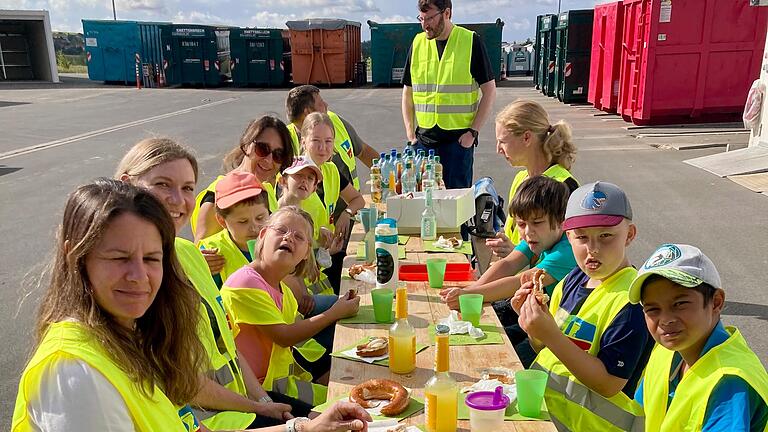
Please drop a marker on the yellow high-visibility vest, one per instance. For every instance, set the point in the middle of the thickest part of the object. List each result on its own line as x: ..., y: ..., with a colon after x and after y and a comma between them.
x: 68, y: 340
x: 199, y: 201
x: 224, y: 367
x: 572, y: 405
x: 255, y: 307
x: 234, y: 258
x: 343, y: 146
x: 444, y: 92
x: 555, y: 172
x: 687, y: 409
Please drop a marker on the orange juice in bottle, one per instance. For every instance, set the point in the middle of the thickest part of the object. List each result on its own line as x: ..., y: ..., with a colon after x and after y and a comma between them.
x: 441, y: 391
x: 402, y: 337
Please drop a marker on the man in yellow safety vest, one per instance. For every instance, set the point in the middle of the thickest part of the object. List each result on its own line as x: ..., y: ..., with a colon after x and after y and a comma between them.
x: 445, y: 73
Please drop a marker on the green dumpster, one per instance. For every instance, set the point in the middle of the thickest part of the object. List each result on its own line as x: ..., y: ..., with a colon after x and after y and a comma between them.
x: 192, y: 54
x: 390, y: 44
x: 536, y: 47
x: 257, y: 57
x: 546, y: 66
x: 573, y: 51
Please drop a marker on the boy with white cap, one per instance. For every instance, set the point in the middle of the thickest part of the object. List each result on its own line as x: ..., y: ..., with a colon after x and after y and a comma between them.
x: 701, y: 376
x: 592, y: 342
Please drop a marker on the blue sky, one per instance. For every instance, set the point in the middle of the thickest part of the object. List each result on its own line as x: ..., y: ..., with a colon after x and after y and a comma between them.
x: 519, y: 16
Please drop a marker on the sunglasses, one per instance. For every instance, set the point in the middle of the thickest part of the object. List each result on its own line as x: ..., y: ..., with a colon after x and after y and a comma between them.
x: 263, y: 150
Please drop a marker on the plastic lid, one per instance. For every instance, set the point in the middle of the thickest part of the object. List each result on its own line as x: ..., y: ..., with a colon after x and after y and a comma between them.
x: 488, y: 400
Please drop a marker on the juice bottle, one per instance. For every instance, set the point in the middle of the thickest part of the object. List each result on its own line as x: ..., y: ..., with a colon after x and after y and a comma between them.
x: 402, y: 337
x: 441, y: 391
x: 376, y: 182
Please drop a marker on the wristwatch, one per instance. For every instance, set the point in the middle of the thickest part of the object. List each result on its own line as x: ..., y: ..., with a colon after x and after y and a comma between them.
x: 350, y: 212
x: 474, y: 133
x: 296, y: 424
x: 265, y: 399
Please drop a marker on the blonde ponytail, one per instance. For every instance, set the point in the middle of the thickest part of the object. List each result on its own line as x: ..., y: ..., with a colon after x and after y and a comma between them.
x: 558, y: 145
x: 556, y: 140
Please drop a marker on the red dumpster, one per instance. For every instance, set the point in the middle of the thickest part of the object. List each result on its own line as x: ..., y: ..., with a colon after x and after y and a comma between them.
x: 324, y: 51
x: 605, y: 67
x: 689, y: 60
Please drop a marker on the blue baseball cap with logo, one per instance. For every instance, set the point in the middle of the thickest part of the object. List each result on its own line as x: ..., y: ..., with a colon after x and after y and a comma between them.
x: 682, y: 264
x: 597, y: 204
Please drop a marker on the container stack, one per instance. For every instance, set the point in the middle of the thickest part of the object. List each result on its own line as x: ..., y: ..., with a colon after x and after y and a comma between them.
x: 324, y: 51
x: 605, y: 61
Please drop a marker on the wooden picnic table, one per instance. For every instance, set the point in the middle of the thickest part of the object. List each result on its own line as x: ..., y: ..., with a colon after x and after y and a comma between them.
x: 424, y: 308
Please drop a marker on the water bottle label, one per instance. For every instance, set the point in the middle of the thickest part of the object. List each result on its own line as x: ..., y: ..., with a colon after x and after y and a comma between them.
x: 385, y: 266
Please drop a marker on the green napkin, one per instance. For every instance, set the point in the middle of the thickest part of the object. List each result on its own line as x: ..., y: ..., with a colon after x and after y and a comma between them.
x: 361, y: 252
x: 492, y: 336
x: 510, y: 415
x: 415, y: 406
x: 382, y: 362
x: 466, y: 248
x: 364, y: 316
x: 403, y: 239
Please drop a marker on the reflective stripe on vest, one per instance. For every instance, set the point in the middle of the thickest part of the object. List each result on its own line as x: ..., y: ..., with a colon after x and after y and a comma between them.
x: 343, y: 146
x: 555, y: 172
x: 321, y: 286
x: 444, y: 92
x: 256, y: 307
x: 574, y: 405
x: 294, y: 132
x: 215, y: 335
x: 199, y: 201
x: 689, y: 405
x: 271, y: 196
x: 234, y: 258
x: 67, y: 340
x: 321, y: 210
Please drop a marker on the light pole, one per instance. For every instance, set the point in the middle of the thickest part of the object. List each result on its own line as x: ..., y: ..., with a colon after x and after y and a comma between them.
x: 114, y: 13
x: 558, y: 5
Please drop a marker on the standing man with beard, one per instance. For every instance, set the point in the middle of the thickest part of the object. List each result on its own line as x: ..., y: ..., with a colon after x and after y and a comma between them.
x: 445, y: 67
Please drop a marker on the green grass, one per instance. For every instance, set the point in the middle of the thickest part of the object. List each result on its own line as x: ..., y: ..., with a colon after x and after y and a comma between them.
x: 73, y: 69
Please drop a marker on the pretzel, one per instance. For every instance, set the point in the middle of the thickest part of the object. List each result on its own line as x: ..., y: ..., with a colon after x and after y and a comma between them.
x: 375, y: 347
x: 399, y: 428
x: 538, y: 286
x: 359, y: 268
x: 381, y: 389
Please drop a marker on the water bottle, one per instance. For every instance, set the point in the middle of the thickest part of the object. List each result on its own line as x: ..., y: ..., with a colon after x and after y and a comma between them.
x: 385, y: 169
x: 431, y: 157
x: 409, y: 178
x: 376, y: 188
x: 428, y: 218
x: 428, y: 181
x: 439, y: 182
x: 387, y: 265
x: 419, y: 166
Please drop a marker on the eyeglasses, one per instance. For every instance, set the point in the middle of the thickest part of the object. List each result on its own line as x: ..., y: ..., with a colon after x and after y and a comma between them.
x: 263, y: 150
x: 429, y: 18
x: 285, y: 232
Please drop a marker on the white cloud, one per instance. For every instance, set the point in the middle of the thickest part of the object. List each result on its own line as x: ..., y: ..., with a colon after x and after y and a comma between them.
x: 198, y: 17
x: 392, y: 19
x: 271, y: 19
x: 519, y: 24
x: 156, y: 6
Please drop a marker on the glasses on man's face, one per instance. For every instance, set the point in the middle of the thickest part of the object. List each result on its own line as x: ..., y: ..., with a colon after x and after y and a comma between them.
x: 263, y: 150
x: 285, y: 232
x: 429, y: 18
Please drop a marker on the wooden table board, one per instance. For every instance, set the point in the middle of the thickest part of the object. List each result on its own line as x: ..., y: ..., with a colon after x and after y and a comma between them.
x: 424, y: 308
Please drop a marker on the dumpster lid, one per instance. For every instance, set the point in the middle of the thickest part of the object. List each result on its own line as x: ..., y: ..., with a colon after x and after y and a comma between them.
x: 320, y: 23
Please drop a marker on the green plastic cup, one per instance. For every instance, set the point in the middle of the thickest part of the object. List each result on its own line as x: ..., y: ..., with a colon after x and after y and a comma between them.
x: 531, y: 384
x: 471, y: 307
x: 382, y: 304
x: 436, y: 271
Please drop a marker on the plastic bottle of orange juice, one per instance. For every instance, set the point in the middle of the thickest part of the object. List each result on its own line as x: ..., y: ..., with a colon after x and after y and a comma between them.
x: 402, y: 337
x: 441, y: 392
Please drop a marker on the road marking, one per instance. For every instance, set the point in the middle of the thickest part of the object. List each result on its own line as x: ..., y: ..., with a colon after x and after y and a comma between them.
x: 91, y: 134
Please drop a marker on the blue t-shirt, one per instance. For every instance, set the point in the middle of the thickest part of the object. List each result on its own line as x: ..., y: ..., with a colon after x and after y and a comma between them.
x: 733, y: 405
x: 625, y: 345
x: 217, y: 276
x: 557, y: 261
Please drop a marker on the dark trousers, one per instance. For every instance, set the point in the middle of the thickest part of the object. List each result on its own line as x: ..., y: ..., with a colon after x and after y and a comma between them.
x: 517, y: 336
x: 457, y: 162
x: 298, y: 409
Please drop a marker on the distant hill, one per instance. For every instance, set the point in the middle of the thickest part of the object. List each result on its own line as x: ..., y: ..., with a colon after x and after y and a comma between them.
x: 68, y: 43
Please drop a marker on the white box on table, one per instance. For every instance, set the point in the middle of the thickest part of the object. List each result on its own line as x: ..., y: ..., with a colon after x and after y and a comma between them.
x: 452, y: 208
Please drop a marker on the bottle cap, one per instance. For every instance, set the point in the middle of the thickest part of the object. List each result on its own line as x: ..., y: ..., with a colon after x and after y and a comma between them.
x: 442, y: 329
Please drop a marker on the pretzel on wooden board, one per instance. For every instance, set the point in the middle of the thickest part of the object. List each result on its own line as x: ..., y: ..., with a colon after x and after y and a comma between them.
x: 381, y: 389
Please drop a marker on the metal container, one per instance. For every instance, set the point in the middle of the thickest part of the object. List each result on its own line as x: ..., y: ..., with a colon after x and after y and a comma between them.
x: 572, y: 55
x: 257, y: 57
x: 689, y: 60
x: 519, y: 61
x: 546, y: 43
x: 192, y: 52
x: 605, y: 62
x: 114, y: 49
x: 324, y: 51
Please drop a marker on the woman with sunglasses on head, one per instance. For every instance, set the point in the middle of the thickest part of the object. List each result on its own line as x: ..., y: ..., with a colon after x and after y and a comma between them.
x: 264, y: 150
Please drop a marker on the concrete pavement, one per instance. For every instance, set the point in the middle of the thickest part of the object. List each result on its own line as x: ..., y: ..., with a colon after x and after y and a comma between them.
x: 71, y: 134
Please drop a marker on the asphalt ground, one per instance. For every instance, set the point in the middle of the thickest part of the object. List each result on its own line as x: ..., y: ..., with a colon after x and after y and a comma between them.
x: 55, y: 137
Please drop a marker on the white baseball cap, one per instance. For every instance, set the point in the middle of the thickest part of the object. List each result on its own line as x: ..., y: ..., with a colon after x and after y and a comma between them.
x: 682, y: 264
x: 304, y: 162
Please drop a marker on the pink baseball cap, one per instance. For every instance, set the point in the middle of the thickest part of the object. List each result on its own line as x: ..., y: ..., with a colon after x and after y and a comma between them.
x: 236, y: 187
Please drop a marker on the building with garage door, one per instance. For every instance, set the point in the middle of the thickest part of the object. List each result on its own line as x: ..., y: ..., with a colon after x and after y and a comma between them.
x: 26, y: 46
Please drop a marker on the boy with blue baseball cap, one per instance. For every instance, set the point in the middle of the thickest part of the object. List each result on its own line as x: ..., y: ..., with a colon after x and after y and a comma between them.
x: 592, y: 342
x: 701, y: 376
